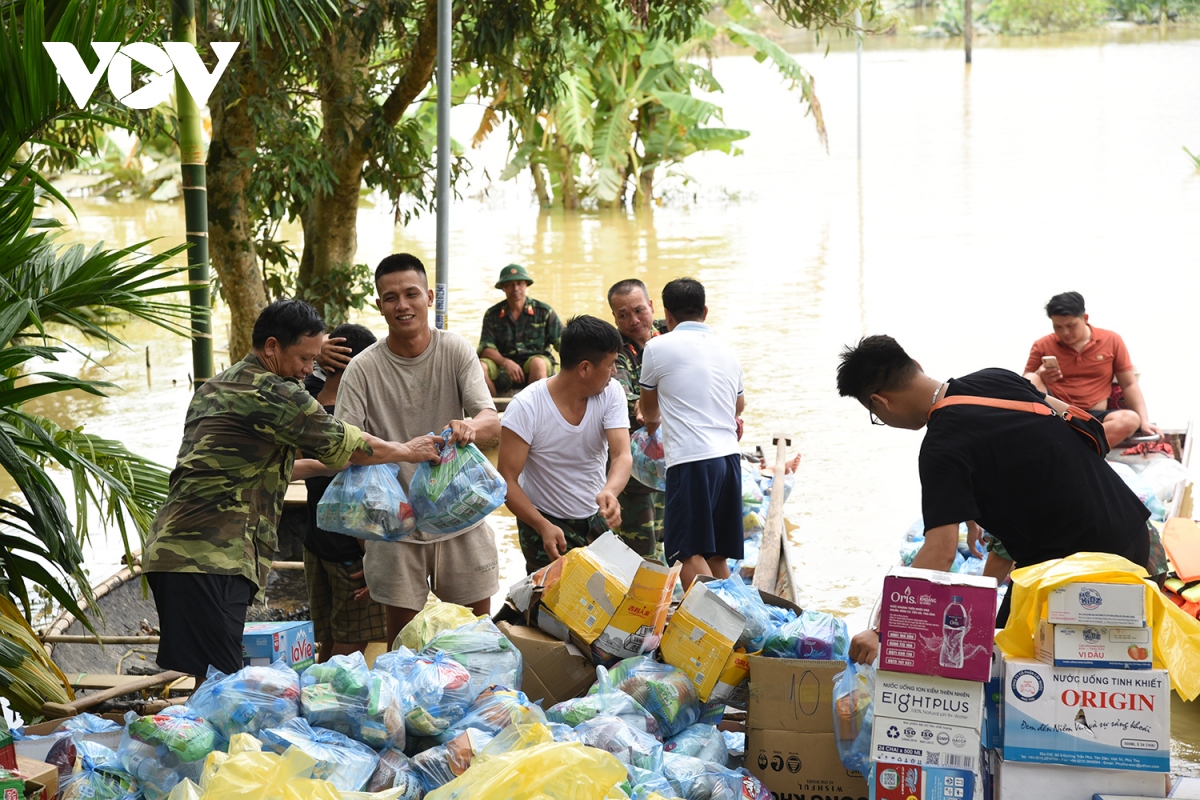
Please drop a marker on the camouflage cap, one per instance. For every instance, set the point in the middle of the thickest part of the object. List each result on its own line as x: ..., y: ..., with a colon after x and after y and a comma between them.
x: 513, y: 272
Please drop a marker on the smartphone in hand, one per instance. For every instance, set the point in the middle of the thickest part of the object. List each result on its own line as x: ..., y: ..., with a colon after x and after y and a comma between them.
x: 1050, y: 362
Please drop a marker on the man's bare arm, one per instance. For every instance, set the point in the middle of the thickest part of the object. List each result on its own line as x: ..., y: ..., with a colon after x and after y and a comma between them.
x: 514, y: 452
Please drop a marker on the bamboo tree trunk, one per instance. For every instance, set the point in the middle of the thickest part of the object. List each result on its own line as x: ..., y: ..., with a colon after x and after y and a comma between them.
x: 643, y: 194
x: 570, y: 194
x: 539, y: 184
x: 234, y: 140
x: 195, y: 200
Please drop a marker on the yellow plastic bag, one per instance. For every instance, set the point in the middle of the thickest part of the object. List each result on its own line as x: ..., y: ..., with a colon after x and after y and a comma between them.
x: 431, y: 620
x: 310, y: 789
x: 257, y: 775
x: 185, y: 790
x: 563, y: 771
x: 1176, y: 635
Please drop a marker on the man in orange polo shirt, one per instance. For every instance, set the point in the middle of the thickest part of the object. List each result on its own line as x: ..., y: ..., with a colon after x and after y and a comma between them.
x: 1077, y: 364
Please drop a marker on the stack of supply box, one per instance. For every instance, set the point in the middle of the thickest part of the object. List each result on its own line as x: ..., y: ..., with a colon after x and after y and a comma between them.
x: 1089, y: 714
x: 936, y: 639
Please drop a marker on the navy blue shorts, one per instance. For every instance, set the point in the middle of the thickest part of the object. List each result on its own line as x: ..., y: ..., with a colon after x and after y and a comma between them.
x: 702, y: 515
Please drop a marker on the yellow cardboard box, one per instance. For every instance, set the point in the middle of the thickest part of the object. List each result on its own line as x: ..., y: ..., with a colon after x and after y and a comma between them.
x: 700, y: 637
x: 637, y: 626
x: 594, y: 581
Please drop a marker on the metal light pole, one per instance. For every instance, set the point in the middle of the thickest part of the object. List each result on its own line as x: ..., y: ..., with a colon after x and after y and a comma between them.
x: 443, y: 164
x: 858, y: 57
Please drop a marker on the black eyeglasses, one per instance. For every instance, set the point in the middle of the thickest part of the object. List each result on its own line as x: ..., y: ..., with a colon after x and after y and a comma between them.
x: 874, y: 419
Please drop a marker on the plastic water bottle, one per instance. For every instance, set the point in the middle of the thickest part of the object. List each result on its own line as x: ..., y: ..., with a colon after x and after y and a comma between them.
x: 954, y: 630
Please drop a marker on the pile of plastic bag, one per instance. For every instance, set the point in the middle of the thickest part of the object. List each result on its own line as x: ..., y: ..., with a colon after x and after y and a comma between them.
x: 418, y: 725
x: 367, y: 502
x: 812, y: 635
x: 965, y: 562
x: 458, y: 491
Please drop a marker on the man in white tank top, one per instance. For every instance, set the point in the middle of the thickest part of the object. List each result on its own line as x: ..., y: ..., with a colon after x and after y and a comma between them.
x: 555, y: 438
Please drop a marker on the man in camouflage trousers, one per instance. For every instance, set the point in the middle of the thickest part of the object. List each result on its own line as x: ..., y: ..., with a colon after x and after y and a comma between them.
x: 641, y: 505
x: 211, y: 544
x: 518, y: 332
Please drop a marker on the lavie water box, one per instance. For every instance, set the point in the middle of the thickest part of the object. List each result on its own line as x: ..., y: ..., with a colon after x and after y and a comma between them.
x: 1108, y: 718
x: 264, y: 643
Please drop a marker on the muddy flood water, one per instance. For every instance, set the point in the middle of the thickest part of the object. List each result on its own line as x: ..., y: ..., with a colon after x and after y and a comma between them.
x: 1052, y: 164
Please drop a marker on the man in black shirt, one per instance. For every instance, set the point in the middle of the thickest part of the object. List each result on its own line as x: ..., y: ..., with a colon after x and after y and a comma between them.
x: 1030, y: 480
x: 345, y: 618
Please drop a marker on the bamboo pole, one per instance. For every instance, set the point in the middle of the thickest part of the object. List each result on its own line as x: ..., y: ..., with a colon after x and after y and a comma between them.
x: 58, y: 710
x: 968, y: 29
x: 72, y: 638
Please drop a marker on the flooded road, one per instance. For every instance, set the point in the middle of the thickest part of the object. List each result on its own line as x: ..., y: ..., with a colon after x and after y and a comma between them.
x: 1050, y: 165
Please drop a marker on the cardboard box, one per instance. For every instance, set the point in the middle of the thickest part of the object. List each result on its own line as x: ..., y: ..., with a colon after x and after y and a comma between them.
x: 593, y: 583
x: 701, y: 636
x: 1106, y: 718
x: 38, y: 775
x: 801, y: 765
x: 905, y: 741
x: 993, y: 694
x: 265, y: 643
x: 929, y: 699
x: 1016, y: 781
x: 36, y: 749
x: 1185, y: 788
x: 733, y: 686
x: 792, y: 695
x: 937, y: 623
x: 11, y: 786
x: 911, y: 782
x: 1093, y: 646
x: 637, y: 626
x: 553, y: 671
x: 1120, y: 604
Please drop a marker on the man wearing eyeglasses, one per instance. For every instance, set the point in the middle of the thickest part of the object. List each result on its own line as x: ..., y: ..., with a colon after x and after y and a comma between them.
x: 1029, y: 479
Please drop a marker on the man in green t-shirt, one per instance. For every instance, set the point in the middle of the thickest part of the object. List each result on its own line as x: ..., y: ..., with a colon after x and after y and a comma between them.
x: 518, y: 332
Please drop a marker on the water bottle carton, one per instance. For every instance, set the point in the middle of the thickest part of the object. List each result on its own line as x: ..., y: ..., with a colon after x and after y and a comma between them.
x: 266, y: 642
x: 937, y: 623
x: 1120, y: 604
x: 1107, y: 718
x: 927, y: 698
x: 1093, y: 646
x: 949, y: 759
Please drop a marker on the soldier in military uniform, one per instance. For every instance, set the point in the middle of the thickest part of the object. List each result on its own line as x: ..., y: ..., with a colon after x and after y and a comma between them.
x: 212, y: 542
x: 518, y: 332
x: 641, y: 505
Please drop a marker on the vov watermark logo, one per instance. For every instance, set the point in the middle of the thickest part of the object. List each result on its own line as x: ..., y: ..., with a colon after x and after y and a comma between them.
x: 165, y: 60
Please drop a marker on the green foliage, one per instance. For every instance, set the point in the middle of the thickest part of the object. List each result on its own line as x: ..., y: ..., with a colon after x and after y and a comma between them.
x: 1044, y: 16
x: 343, y: 288
x: 627, y: 108
x: 1195, y: 158
x: 87, y: 290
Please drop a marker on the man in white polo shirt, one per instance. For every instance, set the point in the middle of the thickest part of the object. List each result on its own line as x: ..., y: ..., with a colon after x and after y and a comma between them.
x: 554, y: 440
x: 692, y: 385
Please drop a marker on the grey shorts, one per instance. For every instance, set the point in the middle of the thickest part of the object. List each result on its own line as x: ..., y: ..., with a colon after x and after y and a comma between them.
x: 463, y: 569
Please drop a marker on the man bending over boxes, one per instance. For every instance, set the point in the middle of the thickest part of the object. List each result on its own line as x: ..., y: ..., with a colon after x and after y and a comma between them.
x: 1024, y: 475
x: 554, y: 440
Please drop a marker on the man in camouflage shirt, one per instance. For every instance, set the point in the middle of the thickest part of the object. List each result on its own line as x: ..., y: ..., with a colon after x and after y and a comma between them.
x: 518, y: 332
x: 641, y: 505
x: 212, y: 542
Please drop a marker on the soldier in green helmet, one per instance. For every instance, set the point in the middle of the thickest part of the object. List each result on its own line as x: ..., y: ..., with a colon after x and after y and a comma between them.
x: 211, y: 544
x: 518, y: 332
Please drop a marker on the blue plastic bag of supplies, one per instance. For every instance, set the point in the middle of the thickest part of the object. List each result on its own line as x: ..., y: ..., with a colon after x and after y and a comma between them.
x: 748, y: 602
x: 344, y: 695
x: 458, y: 491
x: 249, y: 700
x: 812, y: 635
x: 367, y: 502
x: 160, y: 750
x: 854, y: 715
x: 97, y: 775
x: 649, y: 459
x: 667, y: 693
x: 345, y: 763
x: 633, y: 747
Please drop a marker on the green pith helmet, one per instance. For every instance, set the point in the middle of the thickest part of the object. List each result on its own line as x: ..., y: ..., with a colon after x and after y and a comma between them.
x: 513, y: 272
